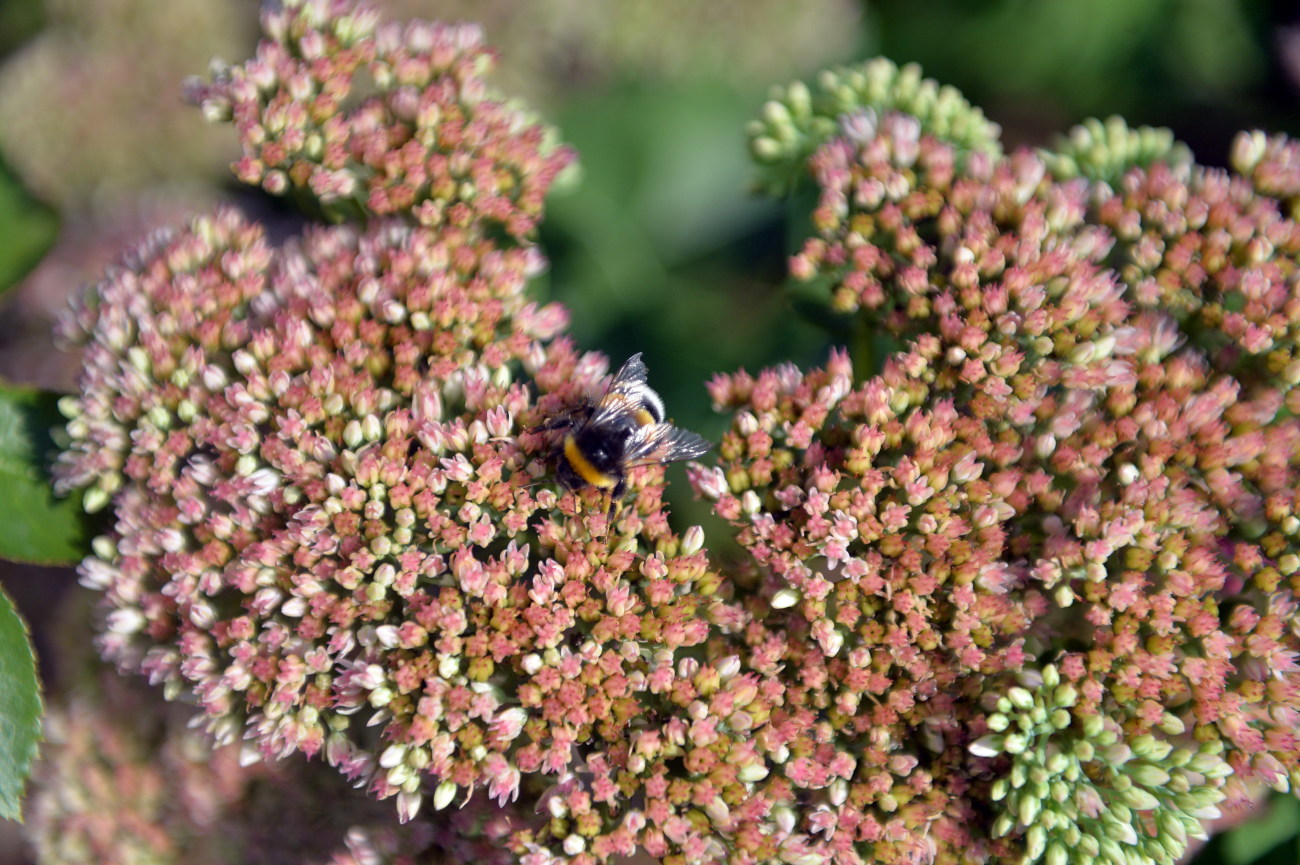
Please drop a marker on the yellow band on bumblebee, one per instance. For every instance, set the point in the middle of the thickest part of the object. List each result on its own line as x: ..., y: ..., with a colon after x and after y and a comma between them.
x: 585, y: 470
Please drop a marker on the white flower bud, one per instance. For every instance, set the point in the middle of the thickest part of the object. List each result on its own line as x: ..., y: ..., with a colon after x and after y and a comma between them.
x: 443, y: 795
x: 784, y: 599
x: 692, y: 541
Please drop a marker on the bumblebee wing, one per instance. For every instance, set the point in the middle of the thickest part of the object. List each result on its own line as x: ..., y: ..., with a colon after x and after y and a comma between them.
x: 632, y: 372
x: 664, y: 443
x: 629, y: 395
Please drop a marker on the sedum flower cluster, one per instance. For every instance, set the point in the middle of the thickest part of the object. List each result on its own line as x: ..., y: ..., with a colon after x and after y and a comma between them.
x: 367, y: 119
x: 1076, y: 788
x: 1043, y: 561
x: 1027, y: 588
x: 328, y: 525
x: 328, y: 530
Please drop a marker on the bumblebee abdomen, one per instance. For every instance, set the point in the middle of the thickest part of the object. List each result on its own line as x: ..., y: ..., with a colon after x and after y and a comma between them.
x: 591, y: 465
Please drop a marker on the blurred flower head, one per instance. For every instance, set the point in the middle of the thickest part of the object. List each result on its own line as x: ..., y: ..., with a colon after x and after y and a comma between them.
x: 108, y: 72
x: 553, y: 48
x: 126, y: 778
x: 1105, y: 150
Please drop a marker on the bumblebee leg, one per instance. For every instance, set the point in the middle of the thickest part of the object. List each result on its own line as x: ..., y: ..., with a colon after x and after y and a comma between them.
x: 550, y: 425
x: 616, y: 496
x: 570, y: 417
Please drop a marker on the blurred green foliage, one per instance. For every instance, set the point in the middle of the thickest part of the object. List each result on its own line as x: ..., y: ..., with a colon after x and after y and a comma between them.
x: 27, y: 230
x: 19, y: 19
x: 1040, y: 67
x: 680, y: 263
x: 1270, y: 839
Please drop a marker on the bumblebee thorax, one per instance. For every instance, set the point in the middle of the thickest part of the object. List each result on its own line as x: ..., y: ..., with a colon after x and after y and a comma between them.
x: 603, y: 444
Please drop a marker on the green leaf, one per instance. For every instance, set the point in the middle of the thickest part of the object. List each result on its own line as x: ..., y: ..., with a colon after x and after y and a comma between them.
x: 27, y: 230
x: 20, y: 709
x: 35, y: 526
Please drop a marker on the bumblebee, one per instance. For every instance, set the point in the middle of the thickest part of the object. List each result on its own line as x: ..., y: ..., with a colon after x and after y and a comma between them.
x: 625, y: 429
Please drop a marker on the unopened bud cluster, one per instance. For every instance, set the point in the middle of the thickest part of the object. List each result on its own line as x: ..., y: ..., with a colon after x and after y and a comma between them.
x: 1077, y: 787
x: 798, y: 119
x: 1106, y: 150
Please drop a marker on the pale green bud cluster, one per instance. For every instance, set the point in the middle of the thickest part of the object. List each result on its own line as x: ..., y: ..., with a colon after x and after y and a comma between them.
x: 799, y: 119
x: 1078, y: 789
x: 1105, y: 150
